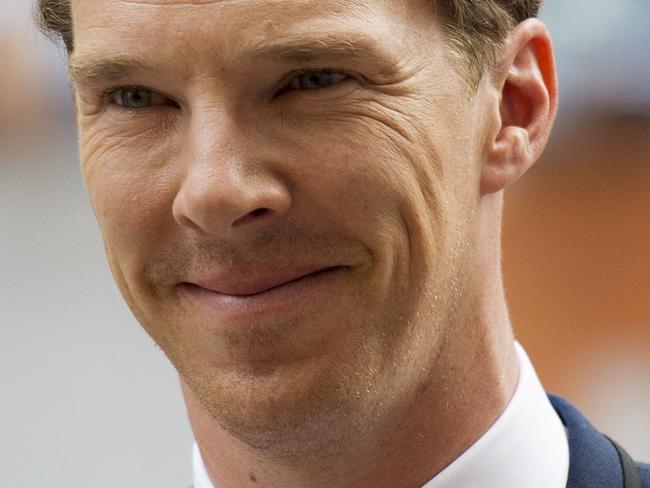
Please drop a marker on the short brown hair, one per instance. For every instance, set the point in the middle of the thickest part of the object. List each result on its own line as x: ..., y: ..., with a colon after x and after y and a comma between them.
x: 475, y: 27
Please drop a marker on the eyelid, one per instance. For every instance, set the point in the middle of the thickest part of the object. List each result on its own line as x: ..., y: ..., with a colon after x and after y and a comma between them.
x: 109, y: 95
x: 285, y: 85
x: 335, y: 73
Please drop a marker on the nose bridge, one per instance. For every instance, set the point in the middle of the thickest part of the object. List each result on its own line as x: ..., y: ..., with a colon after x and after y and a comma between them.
x: 226, y: 181
x: 208, y: 155
x: 213, y: 129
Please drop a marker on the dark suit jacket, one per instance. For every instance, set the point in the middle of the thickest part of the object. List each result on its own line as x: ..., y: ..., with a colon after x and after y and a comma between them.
x: 594, y: 461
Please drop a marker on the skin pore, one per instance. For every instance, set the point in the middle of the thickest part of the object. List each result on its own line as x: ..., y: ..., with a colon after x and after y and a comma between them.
x: 230, y: 147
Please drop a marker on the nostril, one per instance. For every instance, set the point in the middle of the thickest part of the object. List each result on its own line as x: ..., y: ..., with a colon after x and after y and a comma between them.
x: 259, y: 212
x: 250, y: 217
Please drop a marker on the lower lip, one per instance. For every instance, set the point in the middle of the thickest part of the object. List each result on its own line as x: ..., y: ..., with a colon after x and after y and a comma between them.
x: 282, y: 299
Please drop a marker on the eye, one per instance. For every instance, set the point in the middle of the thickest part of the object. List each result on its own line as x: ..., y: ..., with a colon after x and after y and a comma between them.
x: 136, y: 97
x: 316, y: 79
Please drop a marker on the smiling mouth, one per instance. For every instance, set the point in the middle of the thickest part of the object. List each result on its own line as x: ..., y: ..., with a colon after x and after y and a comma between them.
x: 237, y: 301
x: 261, y: 285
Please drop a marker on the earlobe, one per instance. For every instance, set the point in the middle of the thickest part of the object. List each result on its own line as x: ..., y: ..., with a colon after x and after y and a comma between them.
x: 525, y: 79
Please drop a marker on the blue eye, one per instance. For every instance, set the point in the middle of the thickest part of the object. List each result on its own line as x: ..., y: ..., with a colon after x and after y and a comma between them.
x: 316, y: 79
x: 135, y: 97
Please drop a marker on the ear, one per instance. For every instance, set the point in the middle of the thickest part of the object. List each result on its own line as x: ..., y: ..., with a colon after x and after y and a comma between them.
x: 525, y: 79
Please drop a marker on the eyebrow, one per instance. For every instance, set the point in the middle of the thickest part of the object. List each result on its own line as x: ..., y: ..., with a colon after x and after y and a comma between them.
x: 87, y: 70
x: 301, y: 49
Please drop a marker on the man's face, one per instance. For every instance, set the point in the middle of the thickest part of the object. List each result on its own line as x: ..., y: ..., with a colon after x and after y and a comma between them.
x: 287, y: 193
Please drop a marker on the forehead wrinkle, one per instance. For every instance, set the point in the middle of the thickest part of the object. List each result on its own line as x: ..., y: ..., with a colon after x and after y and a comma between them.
x: 194, y: 3
x: 172, y: 3
x: 308, y: 43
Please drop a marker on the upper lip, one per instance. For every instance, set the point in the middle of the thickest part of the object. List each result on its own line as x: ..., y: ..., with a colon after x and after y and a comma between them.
x: 255, y: 282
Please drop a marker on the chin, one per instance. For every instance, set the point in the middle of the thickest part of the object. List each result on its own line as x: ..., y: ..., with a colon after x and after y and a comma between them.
x: 291, y: 412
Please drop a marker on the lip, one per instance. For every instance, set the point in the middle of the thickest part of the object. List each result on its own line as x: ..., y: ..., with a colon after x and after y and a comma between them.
x: 244, y: 284
x: 237, y: 296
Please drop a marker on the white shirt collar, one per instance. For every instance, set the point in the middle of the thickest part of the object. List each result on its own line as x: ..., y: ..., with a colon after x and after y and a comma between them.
x: 526, y: 446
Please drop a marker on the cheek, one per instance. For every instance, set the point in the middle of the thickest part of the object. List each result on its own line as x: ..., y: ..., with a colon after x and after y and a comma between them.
x: 131, y: 186
x: 371, y: 170
x: 401, y: 179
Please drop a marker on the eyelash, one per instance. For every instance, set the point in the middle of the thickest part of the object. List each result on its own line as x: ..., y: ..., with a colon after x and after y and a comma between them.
x: 286, y: 85
x: 108, y: 94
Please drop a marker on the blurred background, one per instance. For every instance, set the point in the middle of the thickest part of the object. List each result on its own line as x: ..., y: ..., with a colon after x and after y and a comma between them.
x: 88, y: 399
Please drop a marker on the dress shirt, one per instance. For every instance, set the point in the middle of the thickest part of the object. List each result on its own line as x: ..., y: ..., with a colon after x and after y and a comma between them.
x: 526, y: 446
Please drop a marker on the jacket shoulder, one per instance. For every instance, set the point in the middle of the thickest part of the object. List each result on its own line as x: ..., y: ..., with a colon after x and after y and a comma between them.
x: 644, y: 473
x: 594, y: 461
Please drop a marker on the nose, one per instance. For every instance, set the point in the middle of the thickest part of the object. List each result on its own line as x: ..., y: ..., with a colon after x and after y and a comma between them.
x: 226, y: 188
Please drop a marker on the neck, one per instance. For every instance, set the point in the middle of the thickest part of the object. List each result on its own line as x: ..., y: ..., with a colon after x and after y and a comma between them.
x: 480, y: 375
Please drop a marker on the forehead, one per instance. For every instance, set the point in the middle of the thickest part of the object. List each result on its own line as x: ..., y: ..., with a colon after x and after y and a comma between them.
x: 164, y: 25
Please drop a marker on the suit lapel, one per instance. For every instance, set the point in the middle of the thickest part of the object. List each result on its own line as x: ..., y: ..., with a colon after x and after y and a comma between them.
x: 594, y: 462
